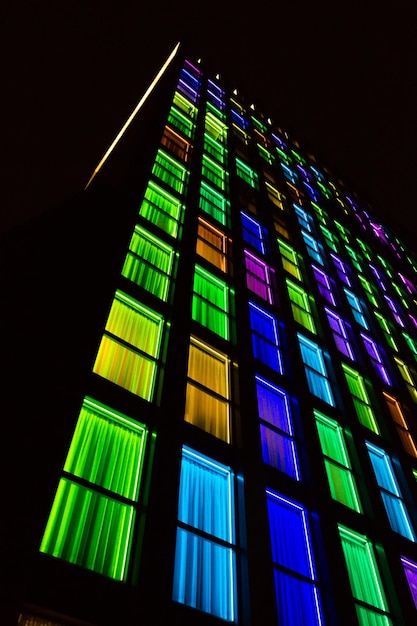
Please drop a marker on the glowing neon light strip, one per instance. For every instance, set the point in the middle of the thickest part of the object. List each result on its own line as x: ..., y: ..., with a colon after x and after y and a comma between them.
x: 133, y: 114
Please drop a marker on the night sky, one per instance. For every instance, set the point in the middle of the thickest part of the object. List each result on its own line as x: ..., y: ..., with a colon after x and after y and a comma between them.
x: 341, y: 78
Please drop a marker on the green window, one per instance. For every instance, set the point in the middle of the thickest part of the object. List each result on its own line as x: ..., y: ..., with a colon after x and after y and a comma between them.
x: 247, y: 173
x: 265, y: 154
x: 213, y: 172
x: 214, y: 148
x: 129, y: 349
x: 170, y: 171
x: 321, y: 214
x: 329, y: 238
x: 357, y: 388
x: 213, y: 203
x: 365, y: 579
x: 343, y: 232
x: 95, y: 506
x: 181, y: 122
x: 300, y: 305
x: 370, y: 290
x: 185, y: 105
x: 149, y: 263
x: 289, y: 258
x: 408, y: 378
x: 215, y: 128
x: 387, y: 330
x: 162, y: 209
x: 336, y: 460
x: 354, y: 258
x: 210, y: 304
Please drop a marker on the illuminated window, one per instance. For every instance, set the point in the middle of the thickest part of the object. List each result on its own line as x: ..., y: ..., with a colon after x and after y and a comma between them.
x: 315, y: 369
x: 357, y: 308
x: 324, y: 285
x: 205, y: 555
x: 410, y: 570
x: 370, y: 290
x: 208, y: 390
x: 290, y: 259
x: 408, y: 377
x: 176, y: 144
x: 162, y: 209
x: 300, y: 306
x: 289, y: 174
x: 215, y: 128
x: 304, y: 219
x: 181, y: 122
x: 411, y: 343
x: 343, y: 232
x: 387, y: 330
x: 189, y: 85
x: 354, y: 257
x: 329, y: 238
x: 149, y: 263
x: 313, y: 248
x: 341, y: 269
x: 360, y: 398
x: 265, y: 338
x: 401, y: 424
x: 376, y: 358
x: 88, y: 526
x: 215, y: 110
x: 253, y: 233
x: 390, y: 492
x: 265, y: 154
x: 211, y: 244
x: 185, y: 105
x: 394, y: 310
x: 215, y: 94
x: 170, y: 171
x: 258, y: 125
x: 277, y: 434
x: 295, y: 577
x: 340, y: 333
x: 129, y: 350
x: 336, y: 461
x: 275, y: 196
x: 258, y: 277
x: 213, y: 172
x: 210, y: 303
x: 365, y: 579
x: 214, y: 149
x: 321, y: 214
x: 248, y: 174
x: 213, y: 203
x: 281, y: 227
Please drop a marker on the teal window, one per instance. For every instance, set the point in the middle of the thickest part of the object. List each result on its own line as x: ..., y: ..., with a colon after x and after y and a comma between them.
x: 149, y: 263
x: 170, y: 171
x: 210, y: 303
x: 315, y: 369
x: 313, y: 248
x: 205, y: 555
x: 357, y: 308
x: 162, y: 209
x: 337, y: 463
x: 390, y: 492
x: 93, y: 514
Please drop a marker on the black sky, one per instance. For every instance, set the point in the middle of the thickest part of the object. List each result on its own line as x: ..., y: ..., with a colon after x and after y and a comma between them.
x: 341, y: 77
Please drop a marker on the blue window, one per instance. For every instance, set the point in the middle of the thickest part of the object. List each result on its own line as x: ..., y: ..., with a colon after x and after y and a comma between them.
x: 315, y: 369
x: 313, y: 247
x: 205, y: 557
x: 357, y: 308
x: 296, y: 588
x: 253, y: 232
x: 277, y: 434
x: 390, y: 492
x: 265, y: 338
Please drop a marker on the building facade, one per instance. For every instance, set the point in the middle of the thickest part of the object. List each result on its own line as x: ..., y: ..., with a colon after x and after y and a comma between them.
x: 242, y: 446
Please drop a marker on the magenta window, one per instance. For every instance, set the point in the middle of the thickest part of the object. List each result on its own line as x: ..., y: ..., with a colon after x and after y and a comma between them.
x: 276, y: 428
x: 376, y: 358
x: 408, y: 285
x: 340, y: 333
x: 410, y: 569
x: 258, y: 277
x: 323, y: 284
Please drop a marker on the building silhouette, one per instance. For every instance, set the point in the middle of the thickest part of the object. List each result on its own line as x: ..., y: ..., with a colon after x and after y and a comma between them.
x: 212, y: 385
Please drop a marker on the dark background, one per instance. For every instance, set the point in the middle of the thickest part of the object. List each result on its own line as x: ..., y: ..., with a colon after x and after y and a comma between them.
x: 340, y: 77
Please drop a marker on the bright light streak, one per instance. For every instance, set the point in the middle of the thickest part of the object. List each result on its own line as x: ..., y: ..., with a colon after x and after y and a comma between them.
x: 135, y: 110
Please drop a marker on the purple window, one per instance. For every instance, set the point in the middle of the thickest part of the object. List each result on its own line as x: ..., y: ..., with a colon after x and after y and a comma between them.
x: 410, y: 569
x: 258, y: 277
x: 376, y: 358
x: 340, y: 334
x: 323, y: 284
x: 341, y: 269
